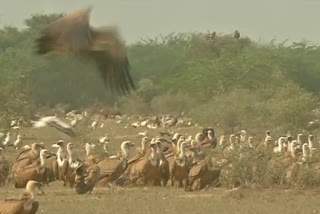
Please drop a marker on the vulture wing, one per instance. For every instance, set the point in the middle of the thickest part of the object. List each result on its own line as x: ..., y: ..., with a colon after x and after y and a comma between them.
x: 67, y: 35
x: 109, y: 53
x: 72, y: 35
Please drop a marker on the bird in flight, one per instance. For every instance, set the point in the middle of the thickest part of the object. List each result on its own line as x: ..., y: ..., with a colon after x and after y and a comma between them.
x: 72, y: 35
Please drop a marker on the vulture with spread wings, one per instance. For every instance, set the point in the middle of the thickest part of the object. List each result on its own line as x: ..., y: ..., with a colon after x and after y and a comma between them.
x: 72, y: 35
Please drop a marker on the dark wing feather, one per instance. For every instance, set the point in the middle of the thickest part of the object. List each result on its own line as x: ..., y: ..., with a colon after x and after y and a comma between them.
x: 109, y: 53
x: 69, y: 34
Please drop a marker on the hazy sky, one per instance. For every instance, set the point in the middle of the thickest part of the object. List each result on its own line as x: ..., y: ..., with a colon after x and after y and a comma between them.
x: 259, y: 19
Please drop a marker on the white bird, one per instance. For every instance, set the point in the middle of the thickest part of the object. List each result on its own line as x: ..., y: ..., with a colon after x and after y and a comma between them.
x: 13, y: 123
x: 136, y: 124
x: 102, y: 125
x: 17, y: 142
x: 104, y: 139
x: 144, y: 123
x: 94, y: 125
x: 143, y: 133
x: 152, y: 126
x: 6, y: 140
x: 56, y: 123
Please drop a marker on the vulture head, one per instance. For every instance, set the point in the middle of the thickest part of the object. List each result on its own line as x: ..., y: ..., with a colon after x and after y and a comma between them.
x: 72, y: 35
x: 59, y: 144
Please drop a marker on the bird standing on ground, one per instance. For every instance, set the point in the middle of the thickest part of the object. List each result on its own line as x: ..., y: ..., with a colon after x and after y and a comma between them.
x: 26, y: 204
x: 236, y: 34
x: 73, y: 35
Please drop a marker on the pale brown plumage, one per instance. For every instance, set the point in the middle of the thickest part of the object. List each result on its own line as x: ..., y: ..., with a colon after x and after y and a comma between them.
x: 143, y: 171
x: 179, y: 168
x: 202, y: 175
x: 112, y: 169
x: 37, y: 172
x: 73, y: 35
x: 72, y: 164
x: 60, y: 165
x: 26, y: 157
x: 26, y: 204
x: 141, y: 152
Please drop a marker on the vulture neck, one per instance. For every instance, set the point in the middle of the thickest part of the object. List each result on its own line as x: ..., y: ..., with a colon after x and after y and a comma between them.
x: 280, y: 145
x: 88, y: 150
x: 153, y: 156
x: 42, y: 159
x: 125, y: 151
x: 61, y: 153
x: 30, y: 190
x: 143, y: 145
x: 310, y: 143
x: 221, y: 141
x: 304, y: 150
x: 182, y: 151
x: 72, y: 155
x: 210, y: 136
x: 178, y: 146
x: 232, y: 144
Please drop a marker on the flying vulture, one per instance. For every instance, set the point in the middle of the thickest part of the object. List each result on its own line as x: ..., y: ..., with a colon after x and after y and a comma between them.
x: 72, y: 35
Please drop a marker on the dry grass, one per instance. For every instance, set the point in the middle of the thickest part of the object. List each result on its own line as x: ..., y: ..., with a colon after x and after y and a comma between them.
x: 169, y: 200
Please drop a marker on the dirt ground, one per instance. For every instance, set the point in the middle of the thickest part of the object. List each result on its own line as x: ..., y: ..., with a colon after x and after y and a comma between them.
x: 153, y: 200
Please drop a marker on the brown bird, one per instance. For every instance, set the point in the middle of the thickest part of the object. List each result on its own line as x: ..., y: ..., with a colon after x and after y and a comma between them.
x: 25, y: 204
x: 87, y: 175
x: 36, y: 171
x: 73, y: 35
x: 236, y: 34
x: 26, y: 157
x: 112, y: 169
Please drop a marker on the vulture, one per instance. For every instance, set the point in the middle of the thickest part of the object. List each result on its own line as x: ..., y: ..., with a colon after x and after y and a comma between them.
x: 143, y: 170
x: 236, y: 34
x: 112, y: 169
x: 26, y: 157
x: 72, y: 35
x: 202, y: 175
x: 56, y: 123
x: 87, y: 175
x: 36, y: 171
x: 25, y: 204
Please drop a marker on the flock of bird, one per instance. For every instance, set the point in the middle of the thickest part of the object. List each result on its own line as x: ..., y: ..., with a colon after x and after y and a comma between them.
x: 170, y: 159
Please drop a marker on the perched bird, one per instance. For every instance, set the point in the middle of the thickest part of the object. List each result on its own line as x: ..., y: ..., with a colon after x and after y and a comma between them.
x: 236, y: 34
x: 26, y: 204
x: 6, y: 141
x: 73, y: 35
x: 17, y: 142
